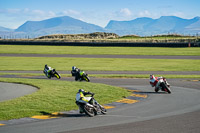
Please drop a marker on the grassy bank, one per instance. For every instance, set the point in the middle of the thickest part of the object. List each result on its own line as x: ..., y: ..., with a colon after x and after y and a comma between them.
x: 98, y: 50
x: 54, y: 96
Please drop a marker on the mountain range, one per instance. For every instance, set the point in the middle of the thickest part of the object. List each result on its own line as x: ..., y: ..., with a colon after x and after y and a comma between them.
x: 141, y: 26
x: 148, y: 26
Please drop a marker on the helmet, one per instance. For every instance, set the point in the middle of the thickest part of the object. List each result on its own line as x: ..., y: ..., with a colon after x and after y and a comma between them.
x: 46, y: 65
x: 80, y: 90
x: 73, y: 68
x: 151, y: 76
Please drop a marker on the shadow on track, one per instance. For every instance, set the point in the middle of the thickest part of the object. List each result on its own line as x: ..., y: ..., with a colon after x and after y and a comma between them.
x: 62, y: 114
x: 151, y: 92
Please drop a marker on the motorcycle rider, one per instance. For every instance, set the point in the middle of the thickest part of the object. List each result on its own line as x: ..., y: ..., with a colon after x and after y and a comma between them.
x: 80, y: 98
x: 76, y: 72
x: 155, y: 82
x: 47, y: 71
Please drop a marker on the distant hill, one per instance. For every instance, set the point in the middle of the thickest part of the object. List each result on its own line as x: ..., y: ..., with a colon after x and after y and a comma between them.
x: 141, y: 26
x: 3, y: 29
x: 148, y: 26
x: 58, y: 25
x: 4, y: 32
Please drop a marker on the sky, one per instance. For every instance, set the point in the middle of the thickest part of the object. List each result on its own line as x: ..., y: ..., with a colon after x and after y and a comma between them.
x: 14, y: 13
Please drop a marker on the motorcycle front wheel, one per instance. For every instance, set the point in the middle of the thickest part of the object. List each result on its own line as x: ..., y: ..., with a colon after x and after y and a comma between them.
x: 87, y: 78
x: 89, y: 110
x: 103, y: 110
x: 166, y: 88
x: 57, y: 75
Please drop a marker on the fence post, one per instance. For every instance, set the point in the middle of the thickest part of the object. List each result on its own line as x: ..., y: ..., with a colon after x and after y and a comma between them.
x: 189, y: 45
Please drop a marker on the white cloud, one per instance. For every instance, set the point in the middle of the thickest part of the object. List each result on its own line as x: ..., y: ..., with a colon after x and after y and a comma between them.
x: 70, y: 12
x: 144, y: 13
x: 12, y: 11
x: 179, y: 14
x: 26, y: 14
x: 125, y: 12
x: 38, y: 12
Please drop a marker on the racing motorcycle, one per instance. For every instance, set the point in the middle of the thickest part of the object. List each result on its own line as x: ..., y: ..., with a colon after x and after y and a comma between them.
x: 82, y: 76
x: 52, y: 73
x: 92, y: 107
x: 164, y: 86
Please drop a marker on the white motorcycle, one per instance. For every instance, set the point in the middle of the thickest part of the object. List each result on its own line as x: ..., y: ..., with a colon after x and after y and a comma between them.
x: 92, y: 108
x: 163, y: 86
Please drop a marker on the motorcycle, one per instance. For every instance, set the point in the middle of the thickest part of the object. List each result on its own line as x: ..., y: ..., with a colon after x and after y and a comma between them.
x: 91, y: 108
x: 82, y: 76
x: 164, y: 86
x: 53, y: 73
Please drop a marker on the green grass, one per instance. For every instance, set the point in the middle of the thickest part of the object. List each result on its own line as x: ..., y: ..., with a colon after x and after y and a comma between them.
x: 99, y: 64
x: 54, y: 96
x: 98, y: 50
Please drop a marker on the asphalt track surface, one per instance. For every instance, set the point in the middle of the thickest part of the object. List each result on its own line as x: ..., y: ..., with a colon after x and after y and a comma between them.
x: 160, y: 112
x: 10, y: 90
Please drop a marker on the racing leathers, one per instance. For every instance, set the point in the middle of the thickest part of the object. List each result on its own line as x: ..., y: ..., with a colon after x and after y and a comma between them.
x: 47, y: 71
x: 76, y: 72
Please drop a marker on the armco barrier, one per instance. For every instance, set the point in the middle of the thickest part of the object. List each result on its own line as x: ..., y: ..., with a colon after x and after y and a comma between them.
x: 99, y: 44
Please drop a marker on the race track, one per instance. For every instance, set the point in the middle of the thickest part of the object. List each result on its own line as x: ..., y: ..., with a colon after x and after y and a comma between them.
x: 159, y: 112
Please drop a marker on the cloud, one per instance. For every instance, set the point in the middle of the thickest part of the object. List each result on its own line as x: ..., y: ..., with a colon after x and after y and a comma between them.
x: 10, y: 17
x: 70, y: 12
x: 125, y: 12
x: 27, y: 14
x: 144, y: 13
x: 179, y: 14
x: 37, y: 12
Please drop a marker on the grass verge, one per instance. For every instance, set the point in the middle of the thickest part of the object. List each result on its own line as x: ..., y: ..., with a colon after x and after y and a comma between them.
x: 100, y: 64
x: 54, y: 96
x: 29, y: 49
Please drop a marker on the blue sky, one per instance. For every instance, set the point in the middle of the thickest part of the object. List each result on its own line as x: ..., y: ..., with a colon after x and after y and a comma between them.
x: 14, y: 13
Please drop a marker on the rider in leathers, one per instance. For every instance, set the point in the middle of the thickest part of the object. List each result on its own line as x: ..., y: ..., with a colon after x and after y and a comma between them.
x: 155, y: 82
x: 47, y: 70
x: 76, y: 72
x: 80, y: 97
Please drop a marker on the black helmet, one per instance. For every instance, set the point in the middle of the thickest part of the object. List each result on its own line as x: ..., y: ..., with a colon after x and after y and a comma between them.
x: 80, y: 90
x: 73, y: 68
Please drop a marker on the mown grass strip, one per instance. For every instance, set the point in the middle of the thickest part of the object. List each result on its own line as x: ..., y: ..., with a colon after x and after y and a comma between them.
x: 30, y: 49
x: 54, y: 96
x: 100, y: 64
